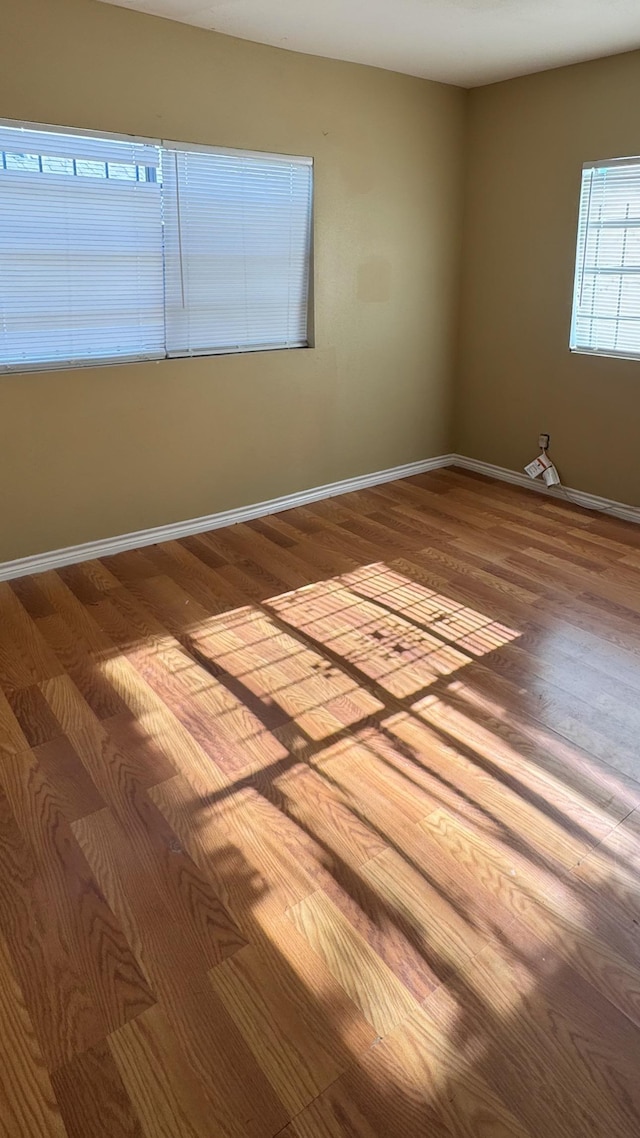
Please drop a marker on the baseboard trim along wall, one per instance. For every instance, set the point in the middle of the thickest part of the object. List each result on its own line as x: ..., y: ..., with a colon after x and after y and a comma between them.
x: 566, y: 493
x: 40, y: 562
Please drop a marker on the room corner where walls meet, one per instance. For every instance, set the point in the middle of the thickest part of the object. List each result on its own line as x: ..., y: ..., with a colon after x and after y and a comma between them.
x: 527, y: 140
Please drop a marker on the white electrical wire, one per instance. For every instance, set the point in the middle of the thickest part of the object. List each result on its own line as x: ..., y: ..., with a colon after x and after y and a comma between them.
x: 570, y: 498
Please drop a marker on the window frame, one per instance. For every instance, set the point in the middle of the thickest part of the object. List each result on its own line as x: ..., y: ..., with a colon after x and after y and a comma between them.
x: 581, y: 350
x: 166, y: 356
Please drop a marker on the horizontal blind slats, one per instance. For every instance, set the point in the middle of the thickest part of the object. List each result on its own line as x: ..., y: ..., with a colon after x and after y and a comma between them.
x: 606, y: 304
x: 237, y: 232
x: 81, y: 270
x: 115, y: 248
x: 22, y: 140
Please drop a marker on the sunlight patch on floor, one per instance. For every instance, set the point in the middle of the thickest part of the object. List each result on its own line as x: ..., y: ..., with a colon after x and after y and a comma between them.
x: 396, y: 632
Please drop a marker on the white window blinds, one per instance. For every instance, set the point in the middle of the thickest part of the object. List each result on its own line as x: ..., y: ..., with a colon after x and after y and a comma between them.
x: 237, y: 232
x: 606, y: 304
x: 81, y: 274
x: 114, y: 249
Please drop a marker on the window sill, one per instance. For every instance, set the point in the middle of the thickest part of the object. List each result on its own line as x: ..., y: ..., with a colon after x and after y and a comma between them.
x: 118, y: 361
x: 604, y: 355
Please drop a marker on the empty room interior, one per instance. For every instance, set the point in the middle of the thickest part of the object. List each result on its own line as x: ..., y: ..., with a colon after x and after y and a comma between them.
x: 320, y: 569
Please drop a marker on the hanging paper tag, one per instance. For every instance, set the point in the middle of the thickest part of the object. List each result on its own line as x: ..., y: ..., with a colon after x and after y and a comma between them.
x: 538, y: 465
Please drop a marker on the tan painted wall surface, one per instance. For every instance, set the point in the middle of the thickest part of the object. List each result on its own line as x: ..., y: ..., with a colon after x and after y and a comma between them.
x: 102, y: 451
x: 527, y: 142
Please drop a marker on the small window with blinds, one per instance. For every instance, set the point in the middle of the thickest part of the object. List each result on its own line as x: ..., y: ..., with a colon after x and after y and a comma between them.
x: 116, y: 249
x: 606, y: 302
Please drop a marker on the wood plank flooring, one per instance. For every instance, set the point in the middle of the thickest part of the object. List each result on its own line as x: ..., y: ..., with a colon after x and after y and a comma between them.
x: 326, y: 825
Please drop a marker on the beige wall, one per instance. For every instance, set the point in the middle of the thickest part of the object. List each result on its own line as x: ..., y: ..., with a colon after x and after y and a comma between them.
x: 102, y: 451
x: 528, y: 139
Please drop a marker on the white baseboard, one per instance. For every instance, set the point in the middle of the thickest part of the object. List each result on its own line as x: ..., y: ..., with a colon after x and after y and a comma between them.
x: 73, y: 554
x: 39, y: 562
x: 563, y: 493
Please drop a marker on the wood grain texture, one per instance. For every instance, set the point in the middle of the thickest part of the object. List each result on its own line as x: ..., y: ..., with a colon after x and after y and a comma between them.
x: 79, y: 665
x: 65, y: 773
x: 553, y: 1020
x: 169, y: 1099
x: 28, y: 1108
x: 25, y: 658
x: 32, y: 712
x: 293, y: 1037
x: 12, y: 738
x: 93, y: 1098
x: 413, y: 1082
x: 250, y: 868
x: 384, y: 1001
x: 68, y: 906
x: 552, y: 910
x: 56, y: 992
x: 327, y: 824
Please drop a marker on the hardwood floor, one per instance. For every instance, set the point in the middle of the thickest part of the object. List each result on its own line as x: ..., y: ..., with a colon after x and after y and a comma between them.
x: 327, y: 825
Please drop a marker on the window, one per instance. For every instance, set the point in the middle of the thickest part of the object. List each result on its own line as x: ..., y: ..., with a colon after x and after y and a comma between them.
x: 606, y: 303
x: 115, y: 249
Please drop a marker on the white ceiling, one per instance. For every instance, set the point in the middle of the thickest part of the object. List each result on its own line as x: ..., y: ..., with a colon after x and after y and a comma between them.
x: 468, y: 42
